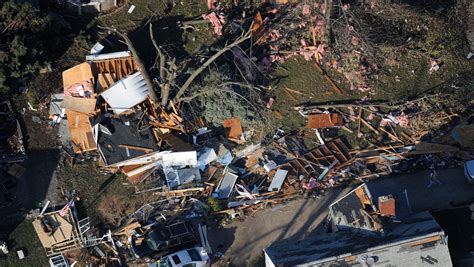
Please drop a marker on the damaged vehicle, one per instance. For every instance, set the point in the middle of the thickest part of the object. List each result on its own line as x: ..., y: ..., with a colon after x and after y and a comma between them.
x: 196, y: 257
x: 161, y: 240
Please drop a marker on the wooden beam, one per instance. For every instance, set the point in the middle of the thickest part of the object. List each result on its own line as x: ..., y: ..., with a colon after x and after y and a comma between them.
x: 145, y: 149
x: 369, y: 126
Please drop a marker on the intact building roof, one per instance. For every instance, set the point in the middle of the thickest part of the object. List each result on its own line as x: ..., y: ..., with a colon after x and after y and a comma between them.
x: 418, y: 241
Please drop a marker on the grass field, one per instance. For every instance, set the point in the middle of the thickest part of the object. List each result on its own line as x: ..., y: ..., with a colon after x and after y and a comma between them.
x: 23, y: 237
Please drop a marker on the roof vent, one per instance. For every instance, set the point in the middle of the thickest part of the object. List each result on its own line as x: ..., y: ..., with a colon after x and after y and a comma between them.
x: 365, y: 260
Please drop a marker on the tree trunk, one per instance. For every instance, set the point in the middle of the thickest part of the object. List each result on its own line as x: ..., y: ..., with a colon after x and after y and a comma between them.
x: 141, y: 64
x: 164, y: 84
x: 198, y: 71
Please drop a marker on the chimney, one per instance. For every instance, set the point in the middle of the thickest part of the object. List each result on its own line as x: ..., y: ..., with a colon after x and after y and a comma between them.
x: 387, y: 206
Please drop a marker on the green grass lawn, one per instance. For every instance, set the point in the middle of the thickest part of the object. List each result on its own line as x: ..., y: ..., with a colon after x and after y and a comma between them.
x: 23, y: 237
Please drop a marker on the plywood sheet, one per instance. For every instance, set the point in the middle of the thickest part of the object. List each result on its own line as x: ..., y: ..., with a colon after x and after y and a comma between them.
x: 233, y: 128
x: 79, y: 104
x: 81, y: 132
x: 62, y: 233
x: 77, y: 74
x: 316, y: 121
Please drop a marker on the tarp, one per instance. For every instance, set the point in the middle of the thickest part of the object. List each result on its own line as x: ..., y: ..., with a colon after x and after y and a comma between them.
x: 126, y: 93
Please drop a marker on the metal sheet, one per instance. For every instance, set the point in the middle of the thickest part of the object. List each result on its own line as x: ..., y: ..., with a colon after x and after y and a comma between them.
x: 126, y: 93
x: 278, y: 180
x: 108, y: 56
x: 226, y: 186
x: 180, y: 159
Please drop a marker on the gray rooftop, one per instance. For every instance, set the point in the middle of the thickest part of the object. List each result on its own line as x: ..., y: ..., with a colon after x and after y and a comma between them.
x: 418, y: 241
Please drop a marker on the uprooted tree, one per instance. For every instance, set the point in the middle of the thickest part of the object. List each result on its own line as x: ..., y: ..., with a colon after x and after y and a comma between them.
x: 169, y: 71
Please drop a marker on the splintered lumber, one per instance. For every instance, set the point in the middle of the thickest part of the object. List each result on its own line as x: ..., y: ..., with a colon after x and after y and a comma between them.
x: 161, y: 125
x: 369, y: 126
x: 329, y: 79
x: 358, y: 121
x: 145, y: 149
x: 290, y: 95
x: 127, y: 229
x: 393, y: 137
x: 431, y: 148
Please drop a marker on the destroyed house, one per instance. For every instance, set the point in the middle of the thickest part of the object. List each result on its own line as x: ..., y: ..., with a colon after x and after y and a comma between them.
x: 120, y: 138
x: 353, y: 211
x: 417, y: 241
x: 368, y: 229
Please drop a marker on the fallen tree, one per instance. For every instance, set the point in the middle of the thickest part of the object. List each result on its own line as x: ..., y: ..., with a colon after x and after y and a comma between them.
x: 169, y: 71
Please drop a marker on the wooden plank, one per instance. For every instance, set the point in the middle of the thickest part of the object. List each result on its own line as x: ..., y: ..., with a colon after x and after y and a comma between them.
x: 79, y: 104
x: 359, y: 122
x: 369, y: 126
x: 344, y: 158
x: 145, y: 149
x: 321, y: 156
x: 80, y: 130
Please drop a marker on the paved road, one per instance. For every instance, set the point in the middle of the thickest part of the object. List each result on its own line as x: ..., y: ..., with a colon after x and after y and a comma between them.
x: 243, y: 242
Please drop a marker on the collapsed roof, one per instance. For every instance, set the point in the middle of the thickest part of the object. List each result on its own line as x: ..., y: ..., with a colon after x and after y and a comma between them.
x: 126, y: 93
x: 418, y: 237
x: 121, y: 138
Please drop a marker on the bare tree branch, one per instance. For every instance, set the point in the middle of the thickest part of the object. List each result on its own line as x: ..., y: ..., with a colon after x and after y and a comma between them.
x: 214, y: 91
x: 198, y: 71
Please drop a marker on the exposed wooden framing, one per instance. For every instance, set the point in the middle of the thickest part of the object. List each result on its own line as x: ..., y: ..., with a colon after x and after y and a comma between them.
x: 369, y: 126
x: 145, y: 149
x: 323, y: 156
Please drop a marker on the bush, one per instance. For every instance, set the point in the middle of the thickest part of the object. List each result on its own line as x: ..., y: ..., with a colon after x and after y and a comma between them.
x: 215, y: 204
